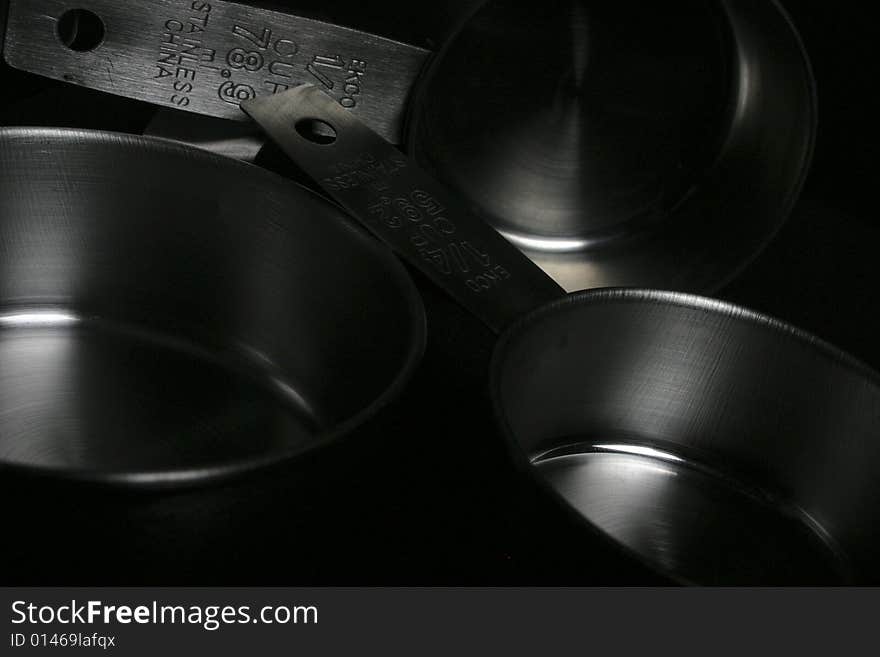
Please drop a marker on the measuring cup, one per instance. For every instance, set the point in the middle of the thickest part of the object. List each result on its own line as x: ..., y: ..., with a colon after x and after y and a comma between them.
x: 169, y: 316
x: 715, y: 444
x: 615, y: 143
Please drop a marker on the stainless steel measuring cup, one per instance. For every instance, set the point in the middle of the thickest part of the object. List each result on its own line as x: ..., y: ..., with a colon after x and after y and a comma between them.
x: 615, y: 143
x: 716, y: 444
x: 171, y: 316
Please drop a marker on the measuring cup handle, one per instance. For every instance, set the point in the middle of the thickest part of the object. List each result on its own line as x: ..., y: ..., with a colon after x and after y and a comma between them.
x: 206, y: 57
x: 403, y: 206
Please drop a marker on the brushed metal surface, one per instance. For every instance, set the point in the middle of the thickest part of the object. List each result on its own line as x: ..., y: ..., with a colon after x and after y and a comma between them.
x: 237, y: 139
x: 617, y: 144
x: 717, y: 444
x: 399, y: 203
x: 669, y: 163
x: 167, y: 315
x: 624, y: 143
x: 206, y: 57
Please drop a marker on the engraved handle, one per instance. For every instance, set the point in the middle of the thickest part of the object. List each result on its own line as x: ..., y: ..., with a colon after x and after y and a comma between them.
x: 207, y: 57
x: 404, y: 206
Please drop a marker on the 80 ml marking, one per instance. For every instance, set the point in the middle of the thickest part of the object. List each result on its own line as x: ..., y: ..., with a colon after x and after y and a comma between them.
x: 258, y: 47
x: 262, y: 51
x: 271, y: 59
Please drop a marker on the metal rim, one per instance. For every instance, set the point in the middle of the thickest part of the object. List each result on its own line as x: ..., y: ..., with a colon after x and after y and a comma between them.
x: 417, y: 331
x: 807, y: 161
x: 420, y: 94
x: 647, y: 296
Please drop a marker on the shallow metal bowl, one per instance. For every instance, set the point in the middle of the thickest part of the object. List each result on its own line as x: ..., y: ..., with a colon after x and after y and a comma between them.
x: 168, y: 315
x: 624, y: 143
x: 717, y: 444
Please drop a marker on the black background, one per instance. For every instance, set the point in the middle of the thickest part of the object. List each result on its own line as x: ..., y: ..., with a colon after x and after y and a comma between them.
x: 426, y: 494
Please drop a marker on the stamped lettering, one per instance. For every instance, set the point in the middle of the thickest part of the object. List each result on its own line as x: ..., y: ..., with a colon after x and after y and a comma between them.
x: 249, y: 59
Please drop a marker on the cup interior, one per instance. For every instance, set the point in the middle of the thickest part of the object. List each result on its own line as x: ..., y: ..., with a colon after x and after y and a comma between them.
x: 168, y: 314
x: 717, y: 444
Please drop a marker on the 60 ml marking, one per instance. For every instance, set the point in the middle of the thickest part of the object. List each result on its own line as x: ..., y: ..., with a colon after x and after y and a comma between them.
x: 433, y: 236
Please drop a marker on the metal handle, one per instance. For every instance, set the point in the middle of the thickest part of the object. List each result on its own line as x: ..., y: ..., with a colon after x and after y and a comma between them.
x: 207, y: 57
x: 404, y: 206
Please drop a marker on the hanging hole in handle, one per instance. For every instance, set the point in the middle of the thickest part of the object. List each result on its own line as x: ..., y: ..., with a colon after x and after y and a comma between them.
x: 316, y: 131
x: 80, y: 30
